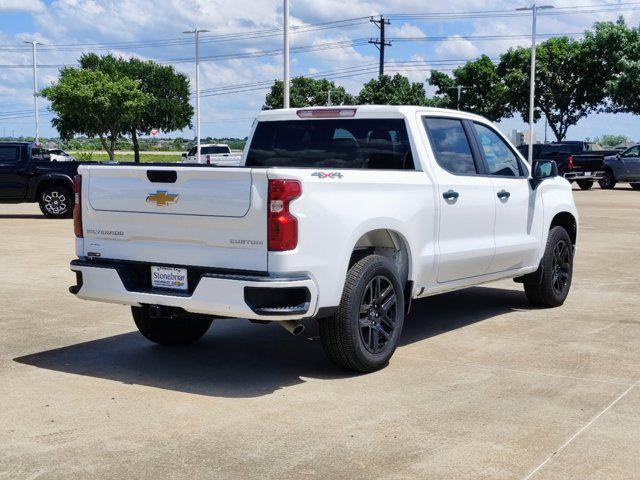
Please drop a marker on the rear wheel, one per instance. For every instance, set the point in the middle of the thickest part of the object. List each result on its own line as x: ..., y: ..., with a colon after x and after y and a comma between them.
x: 608, y: 181
x: 364, y: 332
x: 174, y: 330
x: 550, y: 287
x: 635, y: 186
x: 56, y: 201
x: 585, y: 184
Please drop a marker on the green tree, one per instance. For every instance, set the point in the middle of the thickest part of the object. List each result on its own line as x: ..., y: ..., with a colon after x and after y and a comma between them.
x: 92, y: 103
x: 167, y: 109
x: 396, y: 90
x: 611, y: 141
x: 616, y: 48
x: 483, y: 91
x: 569, y: 83
x: 307, y: 92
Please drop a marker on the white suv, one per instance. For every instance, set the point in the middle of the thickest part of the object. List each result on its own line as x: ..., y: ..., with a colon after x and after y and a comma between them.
x: 218, y: 154
x: 340, y: 214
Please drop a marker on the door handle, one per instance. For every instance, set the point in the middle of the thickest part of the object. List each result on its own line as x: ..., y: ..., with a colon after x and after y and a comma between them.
x: 450, y: 195
x: 503, y: 194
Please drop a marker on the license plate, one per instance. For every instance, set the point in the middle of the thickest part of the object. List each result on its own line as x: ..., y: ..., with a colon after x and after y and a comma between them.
x: 169, y: 277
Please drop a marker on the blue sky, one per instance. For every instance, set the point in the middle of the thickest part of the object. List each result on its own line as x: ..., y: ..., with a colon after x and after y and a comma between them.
x: 69, y: 27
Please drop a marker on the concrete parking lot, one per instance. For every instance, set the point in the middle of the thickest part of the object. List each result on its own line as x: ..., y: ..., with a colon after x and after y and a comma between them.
x: 482, y: 387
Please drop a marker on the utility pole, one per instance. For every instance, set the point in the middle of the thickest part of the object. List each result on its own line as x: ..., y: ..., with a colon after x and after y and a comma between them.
x: 329, y: 98
x: 196, y: 31
x: 532, y: 82
x: 380, y: 43
x: 459, y: 88
x: 286, y: 75
x: 34, y: 43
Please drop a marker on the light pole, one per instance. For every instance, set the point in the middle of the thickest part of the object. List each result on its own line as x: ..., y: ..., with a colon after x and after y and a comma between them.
x: 459, y: 88
x: 35, y: 86
x: 196, y: 31
x: 532, y: 83
x: 286, y: 53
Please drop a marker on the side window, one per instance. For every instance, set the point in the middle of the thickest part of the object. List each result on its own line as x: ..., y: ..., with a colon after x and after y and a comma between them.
x: 632, y: 152
x: 500, y: 158
x: 450, y: 145
x: 9, y: 154
x: 192, y: 152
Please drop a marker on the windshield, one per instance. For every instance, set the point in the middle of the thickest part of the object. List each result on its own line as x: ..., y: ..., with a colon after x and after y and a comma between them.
x: 340, y: 143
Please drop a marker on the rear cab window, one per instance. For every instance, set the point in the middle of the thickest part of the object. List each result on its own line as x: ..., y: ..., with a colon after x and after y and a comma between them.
x: 374, y: 144
x: 214, y: 150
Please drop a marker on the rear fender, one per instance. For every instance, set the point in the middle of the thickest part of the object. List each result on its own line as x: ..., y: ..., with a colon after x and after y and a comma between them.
x: 49, y: 179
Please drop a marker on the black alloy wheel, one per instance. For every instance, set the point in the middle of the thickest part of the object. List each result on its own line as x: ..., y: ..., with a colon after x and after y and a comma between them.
x: 377, y: 319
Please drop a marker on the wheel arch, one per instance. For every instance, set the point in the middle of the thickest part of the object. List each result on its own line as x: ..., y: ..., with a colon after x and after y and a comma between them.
x: 567, y: 221
x: 50, y: 180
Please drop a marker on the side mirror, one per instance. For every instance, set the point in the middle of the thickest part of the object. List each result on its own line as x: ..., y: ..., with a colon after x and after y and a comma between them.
x: 542, y: 170
x: 184, y: 155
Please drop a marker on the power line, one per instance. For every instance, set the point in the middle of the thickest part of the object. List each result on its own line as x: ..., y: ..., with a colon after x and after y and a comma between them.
x: 249, y: 35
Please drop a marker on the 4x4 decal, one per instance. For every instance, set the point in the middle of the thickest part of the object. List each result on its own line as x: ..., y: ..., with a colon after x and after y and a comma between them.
x: 327, y: 175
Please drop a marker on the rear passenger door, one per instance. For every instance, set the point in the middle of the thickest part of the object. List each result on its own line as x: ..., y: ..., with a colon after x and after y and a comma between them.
x: 516, y: 237
x: 467, y: 207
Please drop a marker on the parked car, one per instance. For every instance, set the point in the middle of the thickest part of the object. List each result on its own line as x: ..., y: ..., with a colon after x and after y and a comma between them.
x: 582, y: 162
x: 218, y: 154
x: 622, y: 167
x: 339, y: 214
x: 27, y: 174
x: 58, y: 155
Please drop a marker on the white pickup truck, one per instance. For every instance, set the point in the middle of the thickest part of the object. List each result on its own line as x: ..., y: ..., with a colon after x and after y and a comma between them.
x: 217, y: 154
x: 340, y: 214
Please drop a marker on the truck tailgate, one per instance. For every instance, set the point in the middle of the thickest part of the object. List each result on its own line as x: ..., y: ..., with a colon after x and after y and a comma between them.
x: 181, y: 215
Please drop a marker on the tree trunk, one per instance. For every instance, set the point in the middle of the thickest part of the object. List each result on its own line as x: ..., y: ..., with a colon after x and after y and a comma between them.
x: 106, y: 147
x: 136, y: 146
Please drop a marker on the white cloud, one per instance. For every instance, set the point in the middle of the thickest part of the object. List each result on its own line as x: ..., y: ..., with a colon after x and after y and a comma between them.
x: 405, y: 30
x: 456, y: 47
x: 31, y: 6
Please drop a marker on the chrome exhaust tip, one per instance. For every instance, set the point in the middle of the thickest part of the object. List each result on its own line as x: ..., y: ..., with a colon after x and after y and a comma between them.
x: 294, y: 327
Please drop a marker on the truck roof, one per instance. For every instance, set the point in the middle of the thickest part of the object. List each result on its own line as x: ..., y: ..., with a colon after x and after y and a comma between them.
x: 367, y: 111
x: 17, y: 143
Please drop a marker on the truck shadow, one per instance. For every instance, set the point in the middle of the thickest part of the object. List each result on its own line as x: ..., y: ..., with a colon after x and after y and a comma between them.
x: 25, y: 216
x: 239, y: 359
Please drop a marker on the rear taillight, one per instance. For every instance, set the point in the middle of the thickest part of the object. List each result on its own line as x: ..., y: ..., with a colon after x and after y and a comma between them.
x: 208, y: 160
x: 282, y: 225
x: 77, y: 206
x: 570, y: 162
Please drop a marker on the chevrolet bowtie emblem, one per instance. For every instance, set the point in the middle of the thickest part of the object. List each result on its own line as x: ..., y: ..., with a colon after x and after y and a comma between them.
x: 163, y: 198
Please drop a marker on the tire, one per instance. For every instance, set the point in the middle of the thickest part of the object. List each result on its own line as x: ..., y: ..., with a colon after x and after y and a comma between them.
x: 550, y: 289
x: 56, y: 201
x: 585, y: 184
x: 635, y: 186
x: 364, y: 333
x: 608, y: 180
x: 170, y: 330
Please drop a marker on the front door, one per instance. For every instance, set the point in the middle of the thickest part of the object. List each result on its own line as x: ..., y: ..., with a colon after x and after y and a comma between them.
x: 467, y: 207
x: 631, y: 160
x: 517, y: 236
x: 13, y: 174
